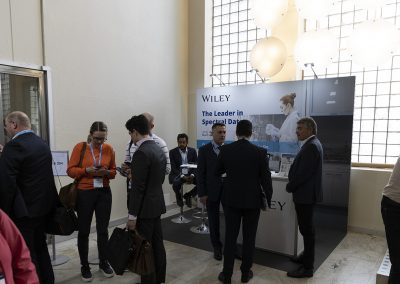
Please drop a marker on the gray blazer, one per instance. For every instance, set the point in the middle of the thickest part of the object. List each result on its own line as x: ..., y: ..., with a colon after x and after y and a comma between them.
x: 305, y: 174
x: 148, y: 174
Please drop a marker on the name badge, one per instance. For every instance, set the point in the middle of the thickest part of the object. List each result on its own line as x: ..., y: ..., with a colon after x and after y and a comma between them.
x: 97, y: 182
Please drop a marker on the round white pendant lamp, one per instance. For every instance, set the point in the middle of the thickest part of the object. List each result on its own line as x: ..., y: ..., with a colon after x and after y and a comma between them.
x: 316, y: 47
x: 268, y: 56
x: 268, y: 13
x: 314, y: 9
x: 373, y: 43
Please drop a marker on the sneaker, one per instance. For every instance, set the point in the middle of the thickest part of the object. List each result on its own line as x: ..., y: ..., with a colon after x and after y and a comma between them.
x: 86, y: 275
x: 106, y: 269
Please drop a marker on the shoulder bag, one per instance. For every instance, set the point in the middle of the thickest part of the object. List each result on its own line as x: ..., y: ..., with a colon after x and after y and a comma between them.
x: 69, y: 192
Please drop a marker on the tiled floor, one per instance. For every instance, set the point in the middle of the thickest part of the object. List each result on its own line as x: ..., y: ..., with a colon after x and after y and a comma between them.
x: 355, y: 260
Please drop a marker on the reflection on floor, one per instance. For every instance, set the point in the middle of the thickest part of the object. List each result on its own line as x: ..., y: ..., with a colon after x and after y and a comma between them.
x: 355, y: 260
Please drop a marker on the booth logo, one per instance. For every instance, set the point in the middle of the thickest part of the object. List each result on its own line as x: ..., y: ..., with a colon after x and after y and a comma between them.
x: 215, y: 98
x: 277, y: 205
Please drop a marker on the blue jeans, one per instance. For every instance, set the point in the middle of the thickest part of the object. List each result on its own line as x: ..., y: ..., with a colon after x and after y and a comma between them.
x: 391, y: 218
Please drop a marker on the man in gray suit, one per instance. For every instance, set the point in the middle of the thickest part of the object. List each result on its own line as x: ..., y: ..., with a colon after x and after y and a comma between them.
x: 146, y: 200
x: 305, y: 176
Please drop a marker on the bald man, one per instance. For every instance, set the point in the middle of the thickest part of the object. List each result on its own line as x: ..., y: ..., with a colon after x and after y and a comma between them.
x: 27, y: 189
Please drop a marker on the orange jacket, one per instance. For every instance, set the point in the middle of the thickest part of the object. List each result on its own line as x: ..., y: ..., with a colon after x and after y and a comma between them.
x: 86, y: 179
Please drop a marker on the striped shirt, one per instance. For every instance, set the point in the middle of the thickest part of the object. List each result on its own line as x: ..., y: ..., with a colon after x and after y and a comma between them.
x: 131, y: 149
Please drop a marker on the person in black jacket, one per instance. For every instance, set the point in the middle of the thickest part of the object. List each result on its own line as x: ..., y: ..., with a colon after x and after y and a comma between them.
x: 146, y: 200
x: 247, y: 176
x: 209, y: 185
x: 179, y: 156
x: 27, y: 188
x: 305, y: 183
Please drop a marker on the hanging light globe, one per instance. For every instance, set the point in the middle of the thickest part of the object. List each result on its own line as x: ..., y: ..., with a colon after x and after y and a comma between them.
x: 373, y: 43
x: 268, y: 13
x: 317, y: 47
x: 314, y: 9
x: 268, y: 56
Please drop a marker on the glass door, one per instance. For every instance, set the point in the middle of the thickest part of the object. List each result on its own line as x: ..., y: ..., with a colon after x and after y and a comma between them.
x: 22, y: 89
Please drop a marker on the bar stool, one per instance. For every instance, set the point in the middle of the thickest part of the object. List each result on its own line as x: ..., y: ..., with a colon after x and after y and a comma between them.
x: 182, y: 219
x: 202, y: 228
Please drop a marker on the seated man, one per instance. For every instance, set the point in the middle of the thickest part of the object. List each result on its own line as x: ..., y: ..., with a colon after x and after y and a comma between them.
x: 179, y: 156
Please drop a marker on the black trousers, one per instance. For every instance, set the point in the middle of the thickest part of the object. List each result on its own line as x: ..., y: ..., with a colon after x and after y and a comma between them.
x: 213, y: 222
x: 33, y: 231
x: 249, y: 220
x: 177, y: 184
x: 391, y: 218
x: 152, y: 231
x: 88, y: 201
x: 305, y: 219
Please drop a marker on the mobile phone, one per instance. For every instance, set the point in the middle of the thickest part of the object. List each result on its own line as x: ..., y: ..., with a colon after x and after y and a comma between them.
x: 123, y: 173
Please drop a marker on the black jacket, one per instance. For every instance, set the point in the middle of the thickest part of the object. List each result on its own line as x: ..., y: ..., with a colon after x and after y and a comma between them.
x: 247, y: 174
x: 176, y: 161
x: 27, y: 185
x: 305, y: 174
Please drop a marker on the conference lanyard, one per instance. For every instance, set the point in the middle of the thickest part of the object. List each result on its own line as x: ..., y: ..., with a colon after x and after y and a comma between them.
x: 96, y: 164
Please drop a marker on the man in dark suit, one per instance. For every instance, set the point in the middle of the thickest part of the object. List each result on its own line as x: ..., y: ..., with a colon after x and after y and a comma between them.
x: 305, y: 176
x: 27, y: 188
x: 146, y: 201
x: 177, y: 177
x: 209, y: 185
x: 247, y: 176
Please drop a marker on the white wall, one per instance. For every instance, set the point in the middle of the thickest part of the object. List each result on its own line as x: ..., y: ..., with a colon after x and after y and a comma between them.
x: 109, y: 61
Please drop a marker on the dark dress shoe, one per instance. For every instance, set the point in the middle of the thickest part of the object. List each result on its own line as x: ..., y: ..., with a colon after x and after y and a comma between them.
x: 297, y: 259
x: 222, y: 277
x: 301, y: 272
x: 247, y: 276
x: 218, y: 253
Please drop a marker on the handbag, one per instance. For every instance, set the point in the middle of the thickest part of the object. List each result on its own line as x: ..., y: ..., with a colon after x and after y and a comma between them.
x: 61, y: 221
x: 69, y: 192
x: 142, y: 260
x: 119, y: 249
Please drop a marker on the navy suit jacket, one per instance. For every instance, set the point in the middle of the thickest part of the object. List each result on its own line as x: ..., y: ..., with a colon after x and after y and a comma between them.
x: 148, y: 166
x: 208, y: 184
x: 176, y: 161
x: 247, y: 174
x: 305, y: 174
x: 27, y: 181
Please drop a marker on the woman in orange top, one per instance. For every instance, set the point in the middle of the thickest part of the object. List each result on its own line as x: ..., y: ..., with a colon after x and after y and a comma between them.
x: 94, y: 195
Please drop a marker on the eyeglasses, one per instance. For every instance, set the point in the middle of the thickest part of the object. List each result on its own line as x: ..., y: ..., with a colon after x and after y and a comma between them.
x: 99, y: 138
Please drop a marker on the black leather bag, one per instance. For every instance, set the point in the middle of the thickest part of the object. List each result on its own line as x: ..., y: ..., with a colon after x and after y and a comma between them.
x: 61, y: 221
x: 69, y: 192
x: 119, y: 249
x: 142, y: 259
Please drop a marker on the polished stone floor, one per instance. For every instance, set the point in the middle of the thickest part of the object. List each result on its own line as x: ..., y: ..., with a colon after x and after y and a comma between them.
x: 355, y: 260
